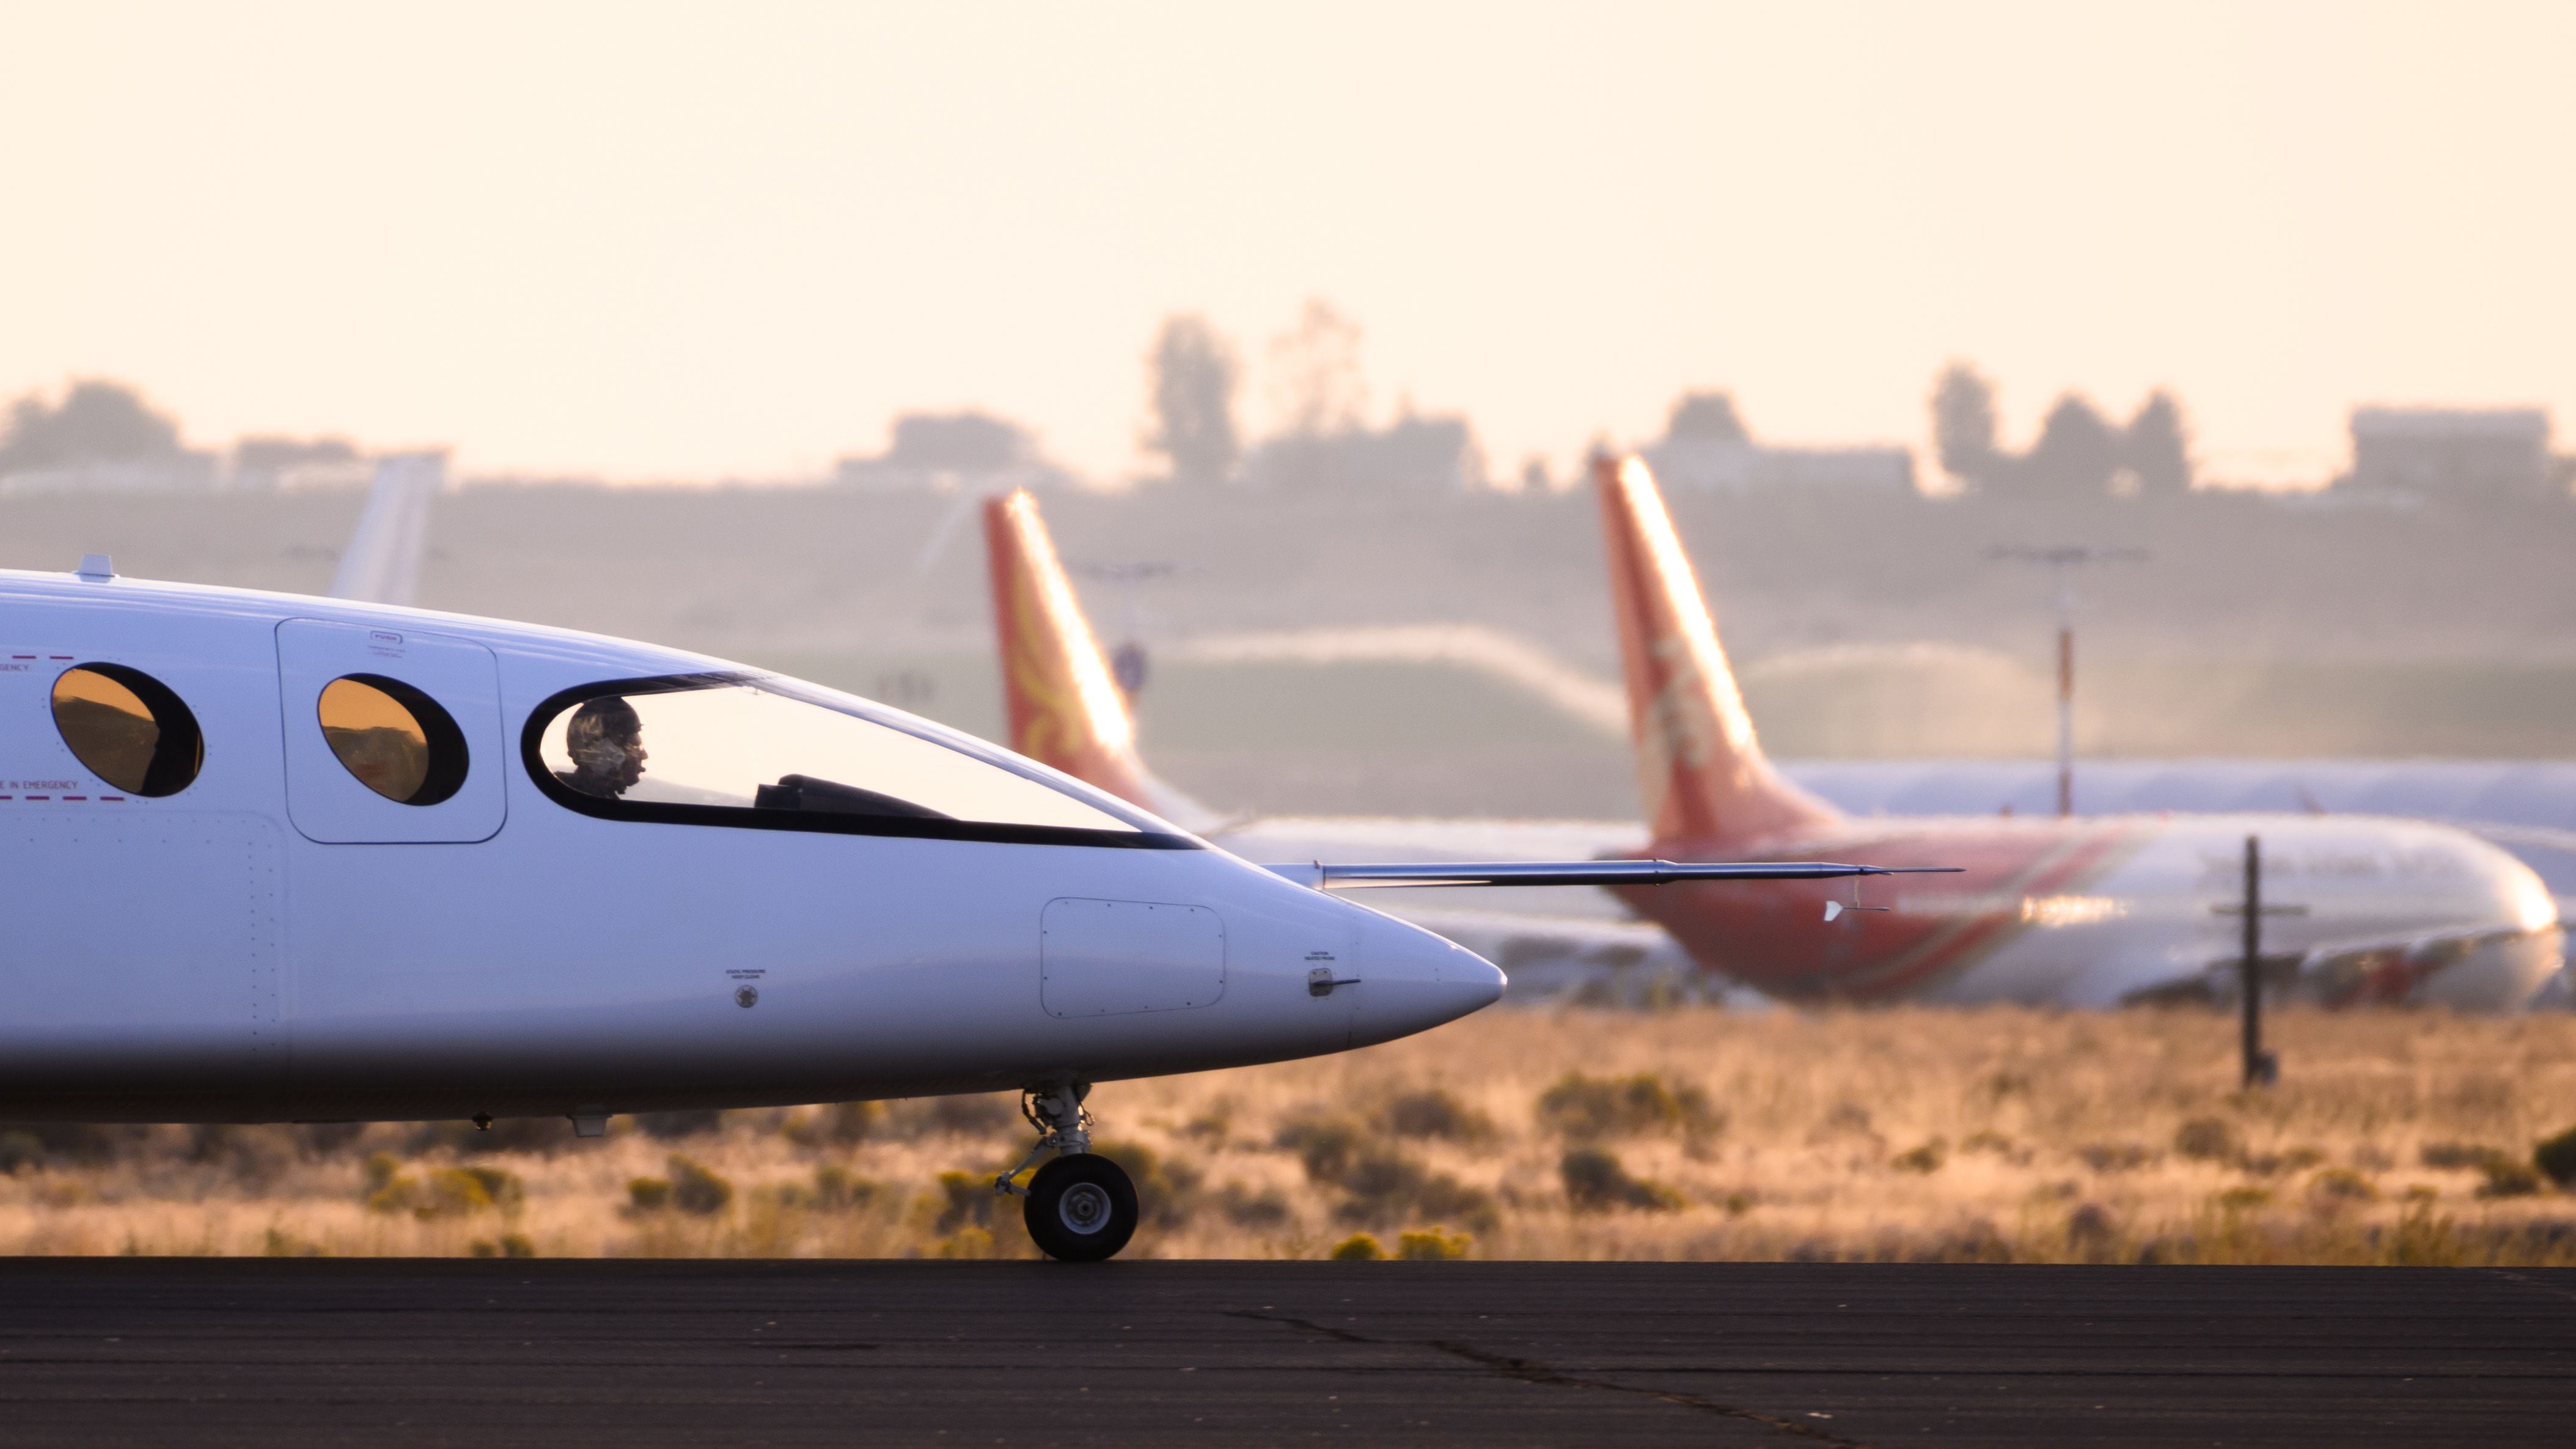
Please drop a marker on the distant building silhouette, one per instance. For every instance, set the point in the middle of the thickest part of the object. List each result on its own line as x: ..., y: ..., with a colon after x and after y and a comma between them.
x: 1706, y: 446
x: 948, y: 451
x: 262, y: 464
x: 1413, y: 454
x: 2445, y: 453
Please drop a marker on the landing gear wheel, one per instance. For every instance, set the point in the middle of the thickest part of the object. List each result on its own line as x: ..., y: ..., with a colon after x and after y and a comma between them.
x: 1080, y: 1208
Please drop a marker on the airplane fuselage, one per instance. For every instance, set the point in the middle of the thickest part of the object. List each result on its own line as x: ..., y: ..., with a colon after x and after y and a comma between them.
x: 280, y: 938
x: 2099, y: 911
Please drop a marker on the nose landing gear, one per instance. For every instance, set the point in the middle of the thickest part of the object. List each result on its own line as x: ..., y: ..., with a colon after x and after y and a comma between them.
x: 1080, y: 1207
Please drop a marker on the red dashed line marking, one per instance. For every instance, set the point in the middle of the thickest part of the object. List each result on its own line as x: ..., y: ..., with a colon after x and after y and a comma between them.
x: 114, y: 799
x: 75, y: 797
x: 40, y: 797
x: 62, y: 656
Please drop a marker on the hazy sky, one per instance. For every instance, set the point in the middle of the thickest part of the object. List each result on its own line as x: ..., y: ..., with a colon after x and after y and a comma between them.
x: 654, y: 241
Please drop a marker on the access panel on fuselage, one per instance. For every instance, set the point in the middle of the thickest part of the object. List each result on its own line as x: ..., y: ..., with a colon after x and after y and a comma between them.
x: 392, y: 736
x: 1111, y: 958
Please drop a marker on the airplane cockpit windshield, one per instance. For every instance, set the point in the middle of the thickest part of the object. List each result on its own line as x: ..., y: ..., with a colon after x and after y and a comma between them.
x: 752, y: 750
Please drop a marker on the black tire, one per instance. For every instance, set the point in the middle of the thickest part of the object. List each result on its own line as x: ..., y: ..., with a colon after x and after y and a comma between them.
x: 1081, y: 1208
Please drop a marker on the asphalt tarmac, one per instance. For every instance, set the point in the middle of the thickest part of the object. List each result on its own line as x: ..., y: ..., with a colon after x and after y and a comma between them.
x: 436, y: 1352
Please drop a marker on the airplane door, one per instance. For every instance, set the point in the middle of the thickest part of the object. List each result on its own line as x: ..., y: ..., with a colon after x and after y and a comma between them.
x: 392, y: 736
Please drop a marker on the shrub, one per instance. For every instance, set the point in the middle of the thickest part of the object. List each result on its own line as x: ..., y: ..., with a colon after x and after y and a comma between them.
x: 675, y: 1126
x: 506, y: 1134
x: 982, y: 1114
x: 2338, y: 1186
x: 1595, y: 1181
x: 2458, y: 1156
x: 1437, y: 1112
x: 510, y: 1245
x: 968, y: 1242
x: 1926, y: 1158
x: 1325, y: 1145
x: 837, y: 1124
x: 447, y: 1192
x: 648, y: 1194
x: 1267, y: 1208
x: 1166, y: 1188
x: 20, y: 1148
x: 1433, y: 1245
x: 966, y: 1200
x: 2090, y: 1229
x: 837, y: 1190
x: 1357, y: 1248
x: 697, y: 1188
x: 1585, y: 1108
x: 1383, y: 1184
x: 279, y: 1243
x: 2208, y: 1139
x: 2114, y: 1156
x: 2556, y: 1158
x: 2508, y: 1178
x: 2297, y: 1159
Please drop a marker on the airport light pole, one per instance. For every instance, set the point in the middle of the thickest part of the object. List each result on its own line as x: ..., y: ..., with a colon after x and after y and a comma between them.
x: 2064, y: 558
x: 2261, y: 1068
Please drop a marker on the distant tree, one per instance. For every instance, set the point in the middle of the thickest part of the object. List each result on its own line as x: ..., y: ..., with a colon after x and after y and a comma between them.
x: 1707, y: 417
x: 2077, y: 452
x: 96, y: 422
x: 2157, y: 449
x: 1316, y: 389
x: 1194, y: 374
x: 1963, y: 426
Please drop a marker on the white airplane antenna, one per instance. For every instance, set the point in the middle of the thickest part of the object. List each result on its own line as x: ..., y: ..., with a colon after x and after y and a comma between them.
x: 381, y: 565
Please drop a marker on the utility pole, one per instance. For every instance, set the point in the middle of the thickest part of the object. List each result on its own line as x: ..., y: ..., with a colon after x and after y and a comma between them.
x: 2261, y: 1067
x: 2063, y: 559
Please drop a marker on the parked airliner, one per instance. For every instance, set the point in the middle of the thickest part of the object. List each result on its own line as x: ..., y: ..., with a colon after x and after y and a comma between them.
x: 2083, y: 912
x: 272, y: 857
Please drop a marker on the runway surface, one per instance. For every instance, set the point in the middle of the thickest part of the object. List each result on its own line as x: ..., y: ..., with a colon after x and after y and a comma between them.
x: 436, y: 1352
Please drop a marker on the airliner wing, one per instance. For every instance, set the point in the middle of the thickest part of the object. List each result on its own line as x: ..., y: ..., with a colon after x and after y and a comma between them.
x: 1578, y: 872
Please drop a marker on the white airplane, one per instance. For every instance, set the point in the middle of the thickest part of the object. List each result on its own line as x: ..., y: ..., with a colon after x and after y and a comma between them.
x: 280, y: 858
x: 2078, y: 912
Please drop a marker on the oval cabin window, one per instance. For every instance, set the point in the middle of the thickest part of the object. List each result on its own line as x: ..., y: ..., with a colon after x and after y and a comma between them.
x: 128, y: 728
x: 398, y: 741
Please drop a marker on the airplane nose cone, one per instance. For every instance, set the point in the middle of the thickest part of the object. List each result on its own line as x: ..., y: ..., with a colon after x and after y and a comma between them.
x: 1412, y: 980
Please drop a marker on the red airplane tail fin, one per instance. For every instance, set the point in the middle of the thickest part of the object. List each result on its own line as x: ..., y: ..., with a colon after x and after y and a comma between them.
x: 1701, y: 774
x: 1065, y: 709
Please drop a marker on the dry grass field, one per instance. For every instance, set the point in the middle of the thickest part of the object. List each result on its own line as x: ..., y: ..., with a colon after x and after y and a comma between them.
x: 1992, y: 1135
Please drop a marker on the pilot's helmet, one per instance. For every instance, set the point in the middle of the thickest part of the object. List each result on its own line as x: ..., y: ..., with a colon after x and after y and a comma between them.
x: 597, y: 735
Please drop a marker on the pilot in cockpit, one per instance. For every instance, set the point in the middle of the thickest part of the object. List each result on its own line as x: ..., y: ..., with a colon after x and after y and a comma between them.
x: 606, y: 741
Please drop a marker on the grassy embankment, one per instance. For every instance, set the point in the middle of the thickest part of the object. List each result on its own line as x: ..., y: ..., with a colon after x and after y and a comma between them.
x: 1909, y: 1134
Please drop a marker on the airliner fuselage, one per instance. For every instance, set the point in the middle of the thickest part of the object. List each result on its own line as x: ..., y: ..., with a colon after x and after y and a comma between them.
x: 2101, y: 911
